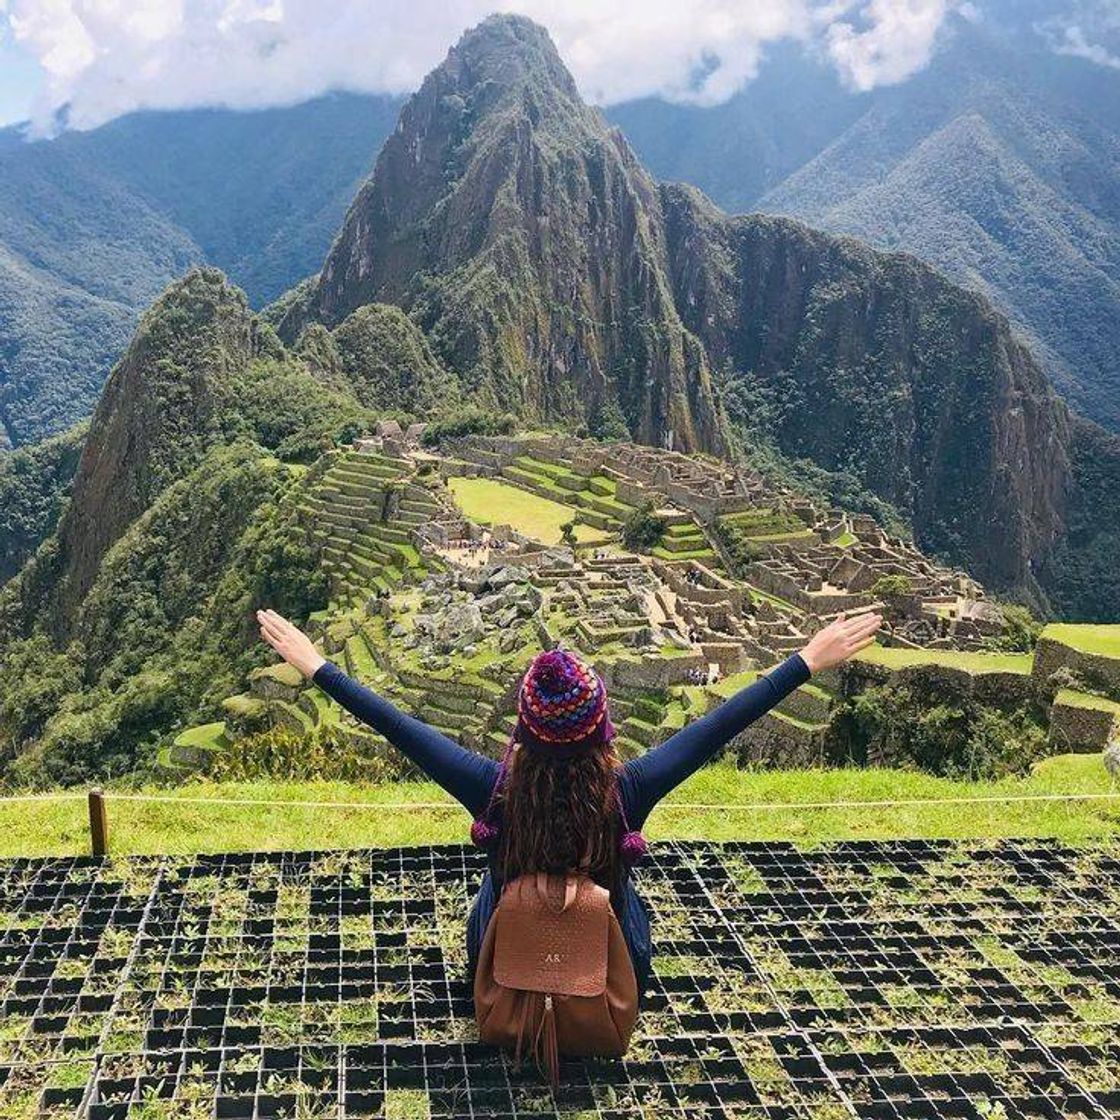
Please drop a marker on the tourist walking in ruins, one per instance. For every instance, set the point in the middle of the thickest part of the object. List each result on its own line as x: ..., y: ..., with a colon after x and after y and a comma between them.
x: 560, y: 803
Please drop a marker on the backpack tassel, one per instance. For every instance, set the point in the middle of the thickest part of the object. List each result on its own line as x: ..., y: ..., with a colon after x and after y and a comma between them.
x: 546, y: 1047
x: 525, y: 1001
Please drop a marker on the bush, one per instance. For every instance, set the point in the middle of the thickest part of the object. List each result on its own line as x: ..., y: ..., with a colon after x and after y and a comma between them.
x: 1020, y: 630
x: 328, y: 755
x: 469, y: 422
x: 643, y: 529
x: 282, y: 407
x: 892, y: 587
x: 893, y: 725
x: 608, y: 423
x: 1001, y: 743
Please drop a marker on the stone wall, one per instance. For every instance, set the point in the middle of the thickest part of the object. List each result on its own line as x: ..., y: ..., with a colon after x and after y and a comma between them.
x: 1099, y: 672
x: 655, y: 673
x: 731, y: 657
x: 721, y: 591
x: 1084, y: 730
x: 998, y: 690
x: 775, y: 742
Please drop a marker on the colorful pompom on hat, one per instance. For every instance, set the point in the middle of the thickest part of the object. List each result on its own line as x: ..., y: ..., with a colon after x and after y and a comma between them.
x: 562, y: 704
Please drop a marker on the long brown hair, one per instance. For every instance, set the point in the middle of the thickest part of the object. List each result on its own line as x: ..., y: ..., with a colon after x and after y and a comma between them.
x: 557, y: 812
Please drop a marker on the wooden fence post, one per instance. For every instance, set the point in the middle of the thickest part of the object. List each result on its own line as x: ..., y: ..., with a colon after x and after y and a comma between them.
x: 98, y: 823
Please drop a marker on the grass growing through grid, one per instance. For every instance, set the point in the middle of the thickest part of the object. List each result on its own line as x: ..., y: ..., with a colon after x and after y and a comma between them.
x: 887, y: 980
x: 60, y: 827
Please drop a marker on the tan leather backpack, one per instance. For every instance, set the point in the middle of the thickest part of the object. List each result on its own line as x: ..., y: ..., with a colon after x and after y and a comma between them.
x: 554, y: 973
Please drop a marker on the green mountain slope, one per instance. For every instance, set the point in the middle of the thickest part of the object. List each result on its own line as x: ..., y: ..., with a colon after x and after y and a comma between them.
x: 737, y: 151
x: 34, y: 484
x: 522, y: 235
x: 875, y: 365
x: 137, y: 610
x: 93, y: 225
x: 998, y: 163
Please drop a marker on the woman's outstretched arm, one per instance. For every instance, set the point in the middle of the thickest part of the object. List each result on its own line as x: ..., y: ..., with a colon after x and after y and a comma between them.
x: 648, y: 778
x: 467, y: 776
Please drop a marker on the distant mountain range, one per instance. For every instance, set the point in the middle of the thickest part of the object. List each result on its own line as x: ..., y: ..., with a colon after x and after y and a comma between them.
x: 94, y: 225
x: 999, y: 163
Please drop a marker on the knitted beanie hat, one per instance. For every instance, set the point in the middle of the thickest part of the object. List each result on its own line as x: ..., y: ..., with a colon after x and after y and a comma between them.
x: 562, y: 704
x: 561, y: 710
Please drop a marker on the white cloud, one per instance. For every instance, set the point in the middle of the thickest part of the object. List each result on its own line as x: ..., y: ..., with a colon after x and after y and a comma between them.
x: 1088, y: 29
x: 1073, y: 41
x: 892, y: 40
x: 107, y: 57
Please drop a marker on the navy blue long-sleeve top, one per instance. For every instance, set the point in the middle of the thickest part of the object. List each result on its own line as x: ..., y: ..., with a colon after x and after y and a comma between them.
x: 643, y: 781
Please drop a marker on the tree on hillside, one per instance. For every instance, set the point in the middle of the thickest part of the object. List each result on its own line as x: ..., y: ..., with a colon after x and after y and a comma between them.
x: 643, y: 529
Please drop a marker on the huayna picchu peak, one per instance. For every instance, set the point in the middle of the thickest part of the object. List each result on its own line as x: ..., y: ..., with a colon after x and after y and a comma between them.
x: 556, y: 280
x: 517, y: 228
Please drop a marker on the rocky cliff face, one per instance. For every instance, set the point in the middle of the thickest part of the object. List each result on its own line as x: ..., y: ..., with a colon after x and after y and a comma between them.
x: 521, y: 233
x: 153, y: 422
x: 875, y: 364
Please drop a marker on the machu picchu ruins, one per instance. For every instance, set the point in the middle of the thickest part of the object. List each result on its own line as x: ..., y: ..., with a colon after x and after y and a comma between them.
x: 450, y: 566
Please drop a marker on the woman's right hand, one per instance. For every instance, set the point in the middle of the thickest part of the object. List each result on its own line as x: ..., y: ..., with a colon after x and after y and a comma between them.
x: 840, y: 639
x: 293, y: 645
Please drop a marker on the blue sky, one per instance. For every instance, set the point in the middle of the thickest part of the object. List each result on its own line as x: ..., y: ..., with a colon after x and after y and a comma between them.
x: 20, y: 77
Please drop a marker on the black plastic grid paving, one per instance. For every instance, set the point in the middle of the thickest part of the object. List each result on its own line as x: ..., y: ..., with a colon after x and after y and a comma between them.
x: 878, y: 980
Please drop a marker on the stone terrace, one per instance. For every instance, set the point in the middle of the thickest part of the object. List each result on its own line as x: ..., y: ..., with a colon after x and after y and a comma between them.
x: 744, y: 574
x: 807, y: 561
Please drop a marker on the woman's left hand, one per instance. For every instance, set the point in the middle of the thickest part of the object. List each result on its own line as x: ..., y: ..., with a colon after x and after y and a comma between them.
x: 293, y: 645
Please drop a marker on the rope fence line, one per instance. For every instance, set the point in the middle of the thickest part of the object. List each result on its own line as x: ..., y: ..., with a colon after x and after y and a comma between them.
x: 681, y: 806
x: 99, y: 817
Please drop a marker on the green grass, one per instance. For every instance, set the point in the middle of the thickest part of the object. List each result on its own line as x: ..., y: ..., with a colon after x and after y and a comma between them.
x: 763, y: 520
x: 540, y: 466
x: 281, y: 672
x: 899, y: 658
x: 729, y: 685
x: 208, y: 736
x: 490, y: 502
x: 781, y: 538
x: 846, y: 539
x: 703, y: 553
x: 50, y: 827
x: 1101, y: 640
x: 407, y: 1104
x: 785, y: 717
x: 1072, y: 699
